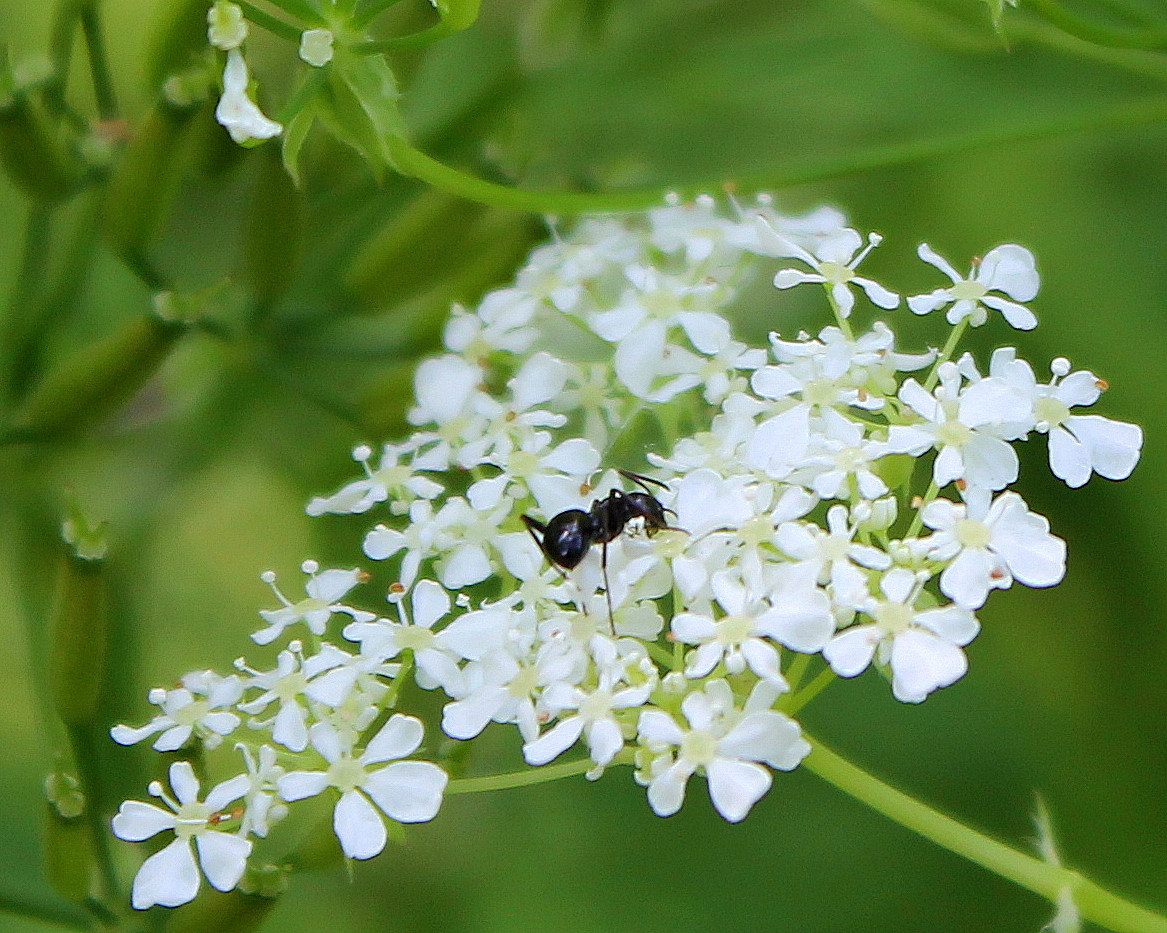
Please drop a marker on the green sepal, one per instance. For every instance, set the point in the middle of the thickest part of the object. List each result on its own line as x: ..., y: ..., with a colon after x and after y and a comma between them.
x: 38, y: 149
x: 292, y: 142
x: 96, y: 380
x: 358, y: 103
x: 273, y: 238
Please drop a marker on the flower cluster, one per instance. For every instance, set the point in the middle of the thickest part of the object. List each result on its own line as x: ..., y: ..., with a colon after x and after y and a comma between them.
x: 793, y: 537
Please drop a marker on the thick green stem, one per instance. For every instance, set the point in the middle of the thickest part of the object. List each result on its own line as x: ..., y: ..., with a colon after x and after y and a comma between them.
x: 99, y: 71
x: 1043, y: 878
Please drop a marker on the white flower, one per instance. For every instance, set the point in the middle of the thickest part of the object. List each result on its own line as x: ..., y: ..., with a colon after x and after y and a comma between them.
x: 832, y: 555
x: 969, y: 427
x: 922, y: 648
x: 436, y: 663
x: 171, y: 877
x: 727, y: 745
x: 292, y: 683
x: 261, y: 806
x: 238, y: 112
x: 316, y: 47
x: 324, y: 590
x: 202, y: 706
x: 1078, y: 444
x: 736, y: 638
x: 405, y: 791
x: 834, y: 260
x: 987, y: 546
x: 1009, y: 269
x: 391, y: 478
x: 594, y: 712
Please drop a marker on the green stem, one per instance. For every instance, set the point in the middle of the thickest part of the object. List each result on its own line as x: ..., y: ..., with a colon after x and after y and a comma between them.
x: 1043, y: 878
x: 277, y: 27
x: 414, y: 40
x: 25, y: 289
x: 412, y: 161
x: 808, y: 693
x: 946, y: 354
x: 87, y: 755
x: 525, y: 778
x: 370, y: 10
x: 98, y: 63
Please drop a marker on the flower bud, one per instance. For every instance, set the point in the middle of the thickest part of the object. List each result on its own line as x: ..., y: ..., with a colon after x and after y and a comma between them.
x: 79, y: 630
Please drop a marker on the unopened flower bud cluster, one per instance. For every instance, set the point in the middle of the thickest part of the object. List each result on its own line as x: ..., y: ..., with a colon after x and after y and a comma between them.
x: 834, y: 504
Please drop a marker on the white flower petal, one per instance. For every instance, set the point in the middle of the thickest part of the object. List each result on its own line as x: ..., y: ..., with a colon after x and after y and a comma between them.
x: 358, y: 826
x: 399, y: 737
x: 554, y: 742
x: 408, y: 791
x: 136, y: 821
x: 168, y: 878
x: 223, y: 857
x: 735, y: 786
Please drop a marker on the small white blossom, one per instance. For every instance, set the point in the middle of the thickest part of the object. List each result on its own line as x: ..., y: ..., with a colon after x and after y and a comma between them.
x: 922, y: 648
x: 171, y: 876
x: 202, y: 707
x: 1009, y: 269
x: 834, y: 260
x: 405, y: 791
x: 728, y: 746
x: 324, y: 592
x: 987, y: 546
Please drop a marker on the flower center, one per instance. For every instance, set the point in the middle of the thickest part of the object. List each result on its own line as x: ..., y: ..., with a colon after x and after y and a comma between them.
x: 734, y: 629
x: 1051, y: 411
x: 849, y: 459
x: 834, y: 547
x: 525, y: 682
x: 819, y: 392
x: 191, y: 713
x: 346, y: 774
x: 972, y: 533
x: 522, y: 463
x: 968, y: 290
x: 893, y: 617
x: 597, y: 706
x: 700, y: 748
x: 415, y: 637
x: 191, y: 819
x: 290, y: 686
x: 756, y: 530
x: 953, y: 433
x: 835, y: 272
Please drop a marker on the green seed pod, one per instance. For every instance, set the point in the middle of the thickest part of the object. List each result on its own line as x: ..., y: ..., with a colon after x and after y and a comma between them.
x: 38, y: 150
x: 79, y: 632
x: 418, y: 244
x: 274, y: 229
x: 144, y: 185
x: 96, y: 380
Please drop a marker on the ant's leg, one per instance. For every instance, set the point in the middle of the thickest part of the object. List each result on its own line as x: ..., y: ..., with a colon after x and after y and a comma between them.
x: 607, y: 587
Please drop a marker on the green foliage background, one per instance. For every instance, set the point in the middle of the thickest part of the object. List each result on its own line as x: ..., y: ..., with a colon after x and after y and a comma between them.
x: 920, y: 124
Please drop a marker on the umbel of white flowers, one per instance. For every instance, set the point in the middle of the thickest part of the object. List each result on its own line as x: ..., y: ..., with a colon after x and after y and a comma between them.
x: 787, y: 534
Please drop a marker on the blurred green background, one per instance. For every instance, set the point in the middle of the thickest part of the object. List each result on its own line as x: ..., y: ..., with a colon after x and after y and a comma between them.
x: 204, y: 477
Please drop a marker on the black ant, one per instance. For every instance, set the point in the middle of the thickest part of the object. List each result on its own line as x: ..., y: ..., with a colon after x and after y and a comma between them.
x: 568, y: 535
